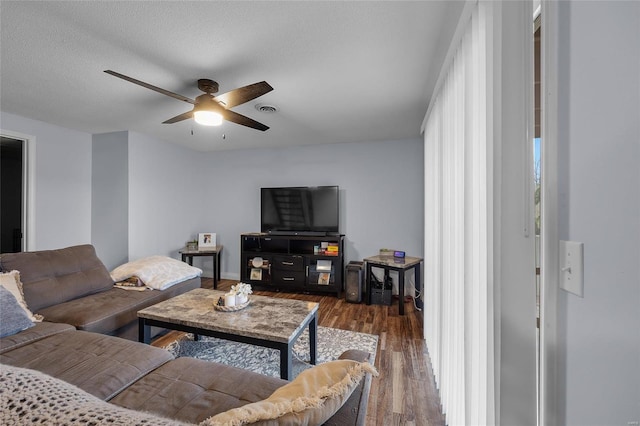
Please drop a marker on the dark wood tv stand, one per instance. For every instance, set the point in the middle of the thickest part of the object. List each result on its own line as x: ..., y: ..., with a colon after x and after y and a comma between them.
x: 303, y: 263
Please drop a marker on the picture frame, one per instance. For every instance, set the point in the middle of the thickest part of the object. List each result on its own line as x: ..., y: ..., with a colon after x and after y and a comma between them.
x: 256, y: 274
x: 206, y: 240
x: 324, y: 278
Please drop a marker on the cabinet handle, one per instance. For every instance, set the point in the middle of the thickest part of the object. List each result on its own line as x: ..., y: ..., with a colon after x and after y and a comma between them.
x: 307, y: 271
x: 288, y: 279
x: 287, y: 263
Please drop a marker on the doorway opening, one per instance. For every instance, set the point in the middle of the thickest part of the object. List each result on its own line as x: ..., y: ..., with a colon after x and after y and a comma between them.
x: 12, y: 194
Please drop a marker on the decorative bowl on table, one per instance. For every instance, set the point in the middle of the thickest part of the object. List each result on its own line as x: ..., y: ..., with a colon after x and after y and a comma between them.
x: 233, y: 308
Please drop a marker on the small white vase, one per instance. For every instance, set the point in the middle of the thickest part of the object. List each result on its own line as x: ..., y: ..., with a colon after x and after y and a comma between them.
x: 241, y: 298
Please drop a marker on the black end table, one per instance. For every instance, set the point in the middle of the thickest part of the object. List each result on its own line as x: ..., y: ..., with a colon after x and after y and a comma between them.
x: 214, y: 252
x: 401, y: 265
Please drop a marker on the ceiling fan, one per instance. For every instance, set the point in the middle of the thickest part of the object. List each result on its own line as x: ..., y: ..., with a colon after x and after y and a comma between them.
x: 208, y: 109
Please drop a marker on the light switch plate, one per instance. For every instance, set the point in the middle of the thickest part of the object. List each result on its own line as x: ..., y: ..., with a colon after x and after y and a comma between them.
x: 572, y: 267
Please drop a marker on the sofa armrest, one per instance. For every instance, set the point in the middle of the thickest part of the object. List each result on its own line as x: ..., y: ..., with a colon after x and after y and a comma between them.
x: 354, y: 410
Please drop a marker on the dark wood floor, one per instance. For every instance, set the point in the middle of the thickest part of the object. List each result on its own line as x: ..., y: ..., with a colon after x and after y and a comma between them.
x: 404, y: 393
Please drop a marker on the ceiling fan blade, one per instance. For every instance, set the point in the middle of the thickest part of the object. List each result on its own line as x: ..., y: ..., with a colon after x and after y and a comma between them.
x: 244, y: 94
x: 184, y: 116
x: 234, y: 117
x: 149, y: 86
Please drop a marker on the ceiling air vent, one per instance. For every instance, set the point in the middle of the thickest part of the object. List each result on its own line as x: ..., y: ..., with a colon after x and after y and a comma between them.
x: 266, y: 108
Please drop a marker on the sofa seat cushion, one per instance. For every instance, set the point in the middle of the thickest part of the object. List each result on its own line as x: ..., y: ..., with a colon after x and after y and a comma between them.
x: 109, y: 310
x: 192, y: 390
x: 39, y: 331
x: 98, y: 364
x: 50, y: 277
x: 29, y: 397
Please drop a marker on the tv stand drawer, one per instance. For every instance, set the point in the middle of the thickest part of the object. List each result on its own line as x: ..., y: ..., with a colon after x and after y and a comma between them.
x: 289, y: 277
x: 288, y: 263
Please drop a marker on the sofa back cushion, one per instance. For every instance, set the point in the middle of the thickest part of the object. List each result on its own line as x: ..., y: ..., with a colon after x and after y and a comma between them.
x: 50, y: 277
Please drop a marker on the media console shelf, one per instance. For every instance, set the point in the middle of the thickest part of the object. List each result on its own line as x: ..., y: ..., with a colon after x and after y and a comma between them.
x: 293, y: 262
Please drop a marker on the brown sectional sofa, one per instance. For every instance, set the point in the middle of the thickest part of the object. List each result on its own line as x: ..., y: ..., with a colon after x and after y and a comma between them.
x: 72, y: 286
x: 69, y: 347
x: 148, y: 379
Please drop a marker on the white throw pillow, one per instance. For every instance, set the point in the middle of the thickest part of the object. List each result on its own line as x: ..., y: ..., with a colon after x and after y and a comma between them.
x: 11, y: 281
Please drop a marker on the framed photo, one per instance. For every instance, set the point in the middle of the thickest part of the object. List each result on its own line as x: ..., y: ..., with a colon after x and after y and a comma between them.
x: 256, y: 274
x: 323, y: 278
x: 206, y: 239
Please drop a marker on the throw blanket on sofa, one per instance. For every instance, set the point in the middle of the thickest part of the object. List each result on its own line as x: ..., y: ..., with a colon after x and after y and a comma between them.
x: 156, y: 272
x: 31, y: 397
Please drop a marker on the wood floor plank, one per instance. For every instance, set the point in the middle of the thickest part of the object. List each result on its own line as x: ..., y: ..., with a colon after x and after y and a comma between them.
x: 398, y: 382
x: 405, y: 392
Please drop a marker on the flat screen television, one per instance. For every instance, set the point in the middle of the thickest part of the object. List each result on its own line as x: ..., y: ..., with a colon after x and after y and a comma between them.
x: 301, y: 210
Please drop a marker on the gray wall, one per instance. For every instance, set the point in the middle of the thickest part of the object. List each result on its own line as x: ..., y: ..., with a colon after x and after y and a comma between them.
x: 174, y: 192
x: 167, y: 189
x: 381, y: 192
x: 63, y: 182
x: 110, y: 197
x: 599, y: 194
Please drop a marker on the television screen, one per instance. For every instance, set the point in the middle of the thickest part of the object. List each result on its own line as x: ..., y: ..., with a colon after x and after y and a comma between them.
x: 294, y: 210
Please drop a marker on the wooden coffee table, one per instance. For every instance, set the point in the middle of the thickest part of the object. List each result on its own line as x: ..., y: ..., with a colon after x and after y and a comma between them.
x: 267, y: 321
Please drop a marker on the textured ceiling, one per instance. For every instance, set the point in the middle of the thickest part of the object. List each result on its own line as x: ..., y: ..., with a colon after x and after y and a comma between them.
x: 341, y: 71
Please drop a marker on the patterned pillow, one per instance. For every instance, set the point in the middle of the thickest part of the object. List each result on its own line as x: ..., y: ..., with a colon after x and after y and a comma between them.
x: 13, y: 319
x: 310, y: 399
x: 11, y: 281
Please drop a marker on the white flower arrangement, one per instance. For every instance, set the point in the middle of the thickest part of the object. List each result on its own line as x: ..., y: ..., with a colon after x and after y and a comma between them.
x: 242, y: 289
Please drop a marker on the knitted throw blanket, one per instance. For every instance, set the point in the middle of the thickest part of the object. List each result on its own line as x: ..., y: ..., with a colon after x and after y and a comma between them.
x: 28, y: 397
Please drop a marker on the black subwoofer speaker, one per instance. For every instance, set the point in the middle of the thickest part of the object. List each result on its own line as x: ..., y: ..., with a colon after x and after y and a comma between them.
x: 354, y: 282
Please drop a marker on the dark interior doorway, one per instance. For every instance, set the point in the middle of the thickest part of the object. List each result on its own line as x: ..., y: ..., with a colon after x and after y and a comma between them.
x: 11, y: 194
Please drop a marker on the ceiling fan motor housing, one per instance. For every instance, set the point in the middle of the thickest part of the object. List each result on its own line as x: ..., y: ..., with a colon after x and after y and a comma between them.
x: 208, y: 86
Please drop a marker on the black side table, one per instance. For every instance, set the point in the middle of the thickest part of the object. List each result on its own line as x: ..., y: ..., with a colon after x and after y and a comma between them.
x: 394, y: 264
x: 214, y: 252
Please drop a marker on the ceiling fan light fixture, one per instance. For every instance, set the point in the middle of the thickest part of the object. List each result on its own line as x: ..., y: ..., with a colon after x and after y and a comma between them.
x: 207, y: 118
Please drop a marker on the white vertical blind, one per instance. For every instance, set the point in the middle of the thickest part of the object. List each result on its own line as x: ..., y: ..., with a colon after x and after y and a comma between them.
x: 458, y: 244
